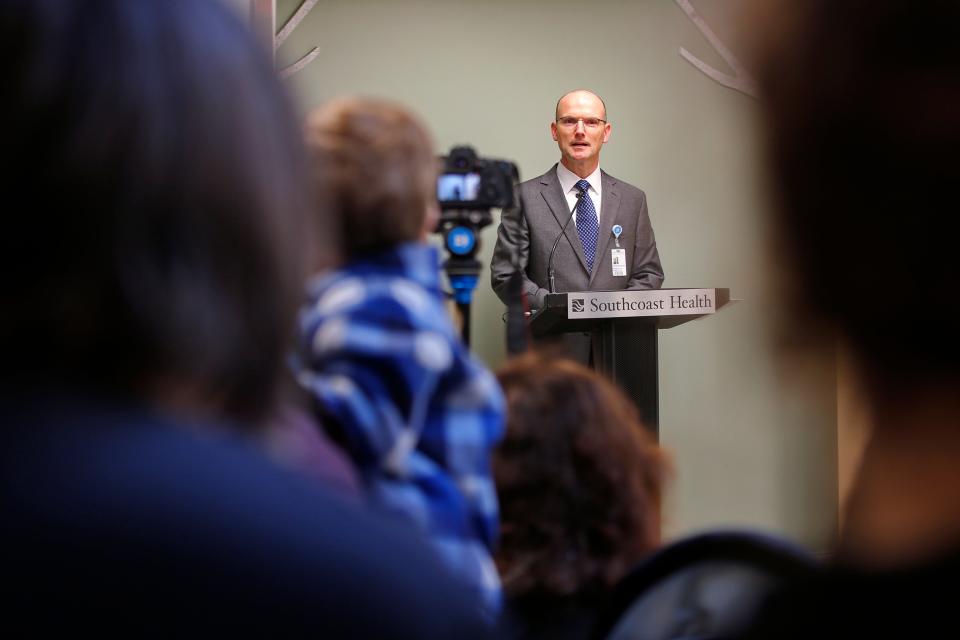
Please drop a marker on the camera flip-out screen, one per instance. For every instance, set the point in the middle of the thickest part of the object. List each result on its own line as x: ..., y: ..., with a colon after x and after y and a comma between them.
x: 458, y: 187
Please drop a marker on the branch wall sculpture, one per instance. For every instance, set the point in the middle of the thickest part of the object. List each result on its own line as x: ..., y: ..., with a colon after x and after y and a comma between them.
x: 305, y: 8
x: 741, y: 80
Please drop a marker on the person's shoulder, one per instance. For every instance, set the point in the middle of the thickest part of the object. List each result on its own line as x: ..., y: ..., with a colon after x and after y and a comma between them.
x: 194, y: 517
x: 375, y: 296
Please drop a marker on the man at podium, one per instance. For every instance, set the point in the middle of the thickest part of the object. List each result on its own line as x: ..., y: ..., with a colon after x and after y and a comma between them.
x: 576, y: 228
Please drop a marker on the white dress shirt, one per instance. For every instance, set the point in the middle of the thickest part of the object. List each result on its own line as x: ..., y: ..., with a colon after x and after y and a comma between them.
x: 568, y: 180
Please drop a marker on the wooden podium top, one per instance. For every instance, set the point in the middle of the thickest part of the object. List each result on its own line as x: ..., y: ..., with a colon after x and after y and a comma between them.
x: 585, y: 310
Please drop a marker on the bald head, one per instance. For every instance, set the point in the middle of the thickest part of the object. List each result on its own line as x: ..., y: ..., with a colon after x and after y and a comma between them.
x: 579, y: 96
x: 580, y: 129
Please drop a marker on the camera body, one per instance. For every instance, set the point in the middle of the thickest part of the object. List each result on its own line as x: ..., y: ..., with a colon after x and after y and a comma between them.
x: 471, y: 183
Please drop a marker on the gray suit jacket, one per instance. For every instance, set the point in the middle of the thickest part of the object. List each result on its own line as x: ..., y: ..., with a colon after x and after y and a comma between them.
x: 527, y: 234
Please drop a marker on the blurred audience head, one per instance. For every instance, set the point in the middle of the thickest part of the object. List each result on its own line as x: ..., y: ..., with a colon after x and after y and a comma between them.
x: 157, y: 249
x: 861, y: 110
x: 375, y: 167
x: 579, y: 481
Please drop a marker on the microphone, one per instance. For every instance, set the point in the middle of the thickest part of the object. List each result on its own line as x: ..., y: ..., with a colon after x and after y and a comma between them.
x: 557, y: 241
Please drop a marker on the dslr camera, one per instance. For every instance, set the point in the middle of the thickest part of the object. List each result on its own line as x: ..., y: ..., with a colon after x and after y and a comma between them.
x: 468, y: 188
x: 470, y: 183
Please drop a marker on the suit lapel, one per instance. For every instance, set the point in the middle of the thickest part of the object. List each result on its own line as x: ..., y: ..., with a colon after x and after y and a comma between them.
x: 553, y: 195
x: 609, y: 209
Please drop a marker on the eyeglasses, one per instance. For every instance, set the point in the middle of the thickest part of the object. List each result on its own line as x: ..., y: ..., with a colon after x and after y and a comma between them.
x: 570, y: 122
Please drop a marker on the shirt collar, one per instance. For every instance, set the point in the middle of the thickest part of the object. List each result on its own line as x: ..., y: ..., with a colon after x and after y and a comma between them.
x: 568, y: 179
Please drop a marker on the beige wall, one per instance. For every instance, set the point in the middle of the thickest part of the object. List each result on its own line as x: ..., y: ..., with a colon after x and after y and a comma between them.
x: 747, y: 451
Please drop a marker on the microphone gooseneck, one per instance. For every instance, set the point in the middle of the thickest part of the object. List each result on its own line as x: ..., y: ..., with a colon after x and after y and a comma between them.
x: 557, y: 241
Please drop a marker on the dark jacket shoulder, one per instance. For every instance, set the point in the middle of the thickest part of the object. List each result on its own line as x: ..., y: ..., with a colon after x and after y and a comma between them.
x: 116, y: 518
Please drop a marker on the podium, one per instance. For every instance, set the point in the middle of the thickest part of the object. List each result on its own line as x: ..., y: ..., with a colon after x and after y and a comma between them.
x: 624, y: 327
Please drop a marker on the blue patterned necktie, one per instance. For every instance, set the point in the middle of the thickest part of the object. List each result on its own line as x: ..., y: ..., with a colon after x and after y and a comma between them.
x: 587, y: 226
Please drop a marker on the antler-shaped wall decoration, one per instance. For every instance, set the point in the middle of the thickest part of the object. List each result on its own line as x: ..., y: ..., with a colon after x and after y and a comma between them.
x: 741, y: 80
x: 305, y: 7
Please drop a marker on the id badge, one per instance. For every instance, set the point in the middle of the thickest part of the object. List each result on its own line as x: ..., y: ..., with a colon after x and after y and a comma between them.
x: 618, y: 259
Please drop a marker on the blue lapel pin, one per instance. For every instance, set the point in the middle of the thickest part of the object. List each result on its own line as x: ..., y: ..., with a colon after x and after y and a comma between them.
x: 617, y: 230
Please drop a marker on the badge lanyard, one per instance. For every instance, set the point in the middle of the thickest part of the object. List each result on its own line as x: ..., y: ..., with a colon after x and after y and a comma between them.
x: 618, y: 257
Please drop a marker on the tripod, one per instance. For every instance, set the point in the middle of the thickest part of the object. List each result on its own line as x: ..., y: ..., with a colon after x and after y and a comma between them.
x: 463, y: 274
x: 462, y: 267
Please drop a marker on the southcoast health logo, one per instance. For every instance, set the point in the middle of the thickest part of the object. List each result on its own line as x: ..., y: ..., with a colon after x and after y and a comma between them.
x: 655, y: 302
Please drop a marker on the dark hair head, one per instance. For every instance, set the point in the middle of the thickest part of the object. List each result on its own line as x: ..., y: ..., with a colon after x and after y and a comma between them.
x: 861, y: 102
x: 375, y: 167
x: 158, y: 166
x: 578, y: 479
